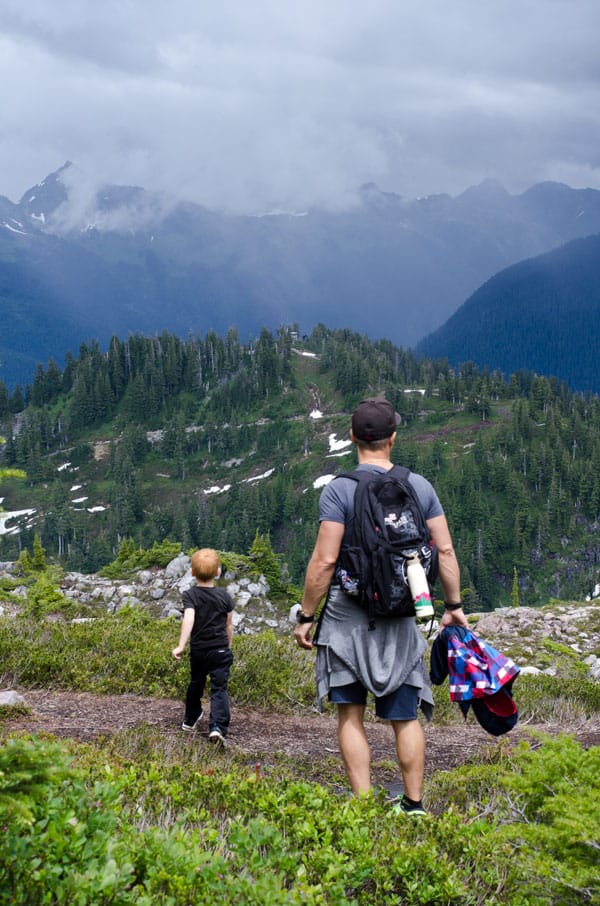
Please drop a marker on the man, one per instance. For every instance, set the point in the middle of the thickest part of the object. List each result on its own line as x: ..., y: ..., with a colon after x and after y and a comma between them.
x: 352, y: 658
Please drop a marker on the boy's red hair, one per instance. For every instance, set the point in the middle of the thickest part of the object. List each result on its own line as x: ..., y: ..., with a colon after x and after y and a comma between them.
x: 205, y: 564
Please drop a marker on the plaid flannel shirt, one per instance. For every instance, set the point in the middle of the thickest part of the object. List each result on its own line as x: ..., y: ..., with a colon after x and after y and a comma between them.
x: 475, y: 668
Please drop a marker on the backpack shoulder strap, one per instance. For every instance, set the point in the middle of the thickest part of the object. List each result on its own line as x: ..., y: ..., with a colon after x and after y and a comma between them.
x: 353, y: 475
x: 363, y: 478
x: 400, y: 472
x: 360, y: 476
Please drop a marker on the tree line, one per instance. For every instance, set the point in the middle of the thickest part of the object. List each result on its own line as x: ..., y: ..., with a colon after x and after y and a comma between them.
x: 522, y: 496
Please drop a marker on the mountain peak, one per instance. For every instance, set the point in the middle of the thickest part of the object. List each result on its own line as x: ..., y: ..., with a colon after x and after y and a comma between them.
x: 487, y: 189
x: 42, y: 200
x: 370, y: 193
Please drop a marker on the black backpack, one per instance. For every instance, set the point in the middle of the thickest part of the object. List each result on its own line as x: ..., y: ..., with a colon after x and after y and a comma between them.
x: 389, y: 526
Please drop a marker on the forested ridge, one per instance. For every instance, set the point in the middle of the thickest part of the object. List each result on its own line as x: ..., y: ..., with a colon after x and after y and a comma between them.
x: 209, y: 440
x: 542, y: 312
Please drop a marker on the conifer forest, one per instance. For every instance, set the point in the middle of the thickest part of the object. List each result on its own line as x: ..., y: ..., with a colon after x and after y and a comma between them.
x: 210, y: 440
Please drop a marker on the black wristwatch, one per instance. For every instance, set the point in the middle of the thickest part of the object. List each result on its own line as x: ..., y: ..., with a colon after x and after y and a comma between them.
x: 302, y: 617
x: 452, y: 606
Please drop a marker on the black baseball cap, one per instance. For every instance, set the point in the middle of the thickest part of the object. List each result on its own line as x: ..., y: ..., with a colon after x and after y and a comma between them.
x: 374, y: 419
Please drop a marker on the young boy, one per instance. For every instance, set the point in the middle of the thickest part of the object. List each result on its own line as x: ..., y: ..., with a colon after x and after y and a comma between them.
x: 208, y: 624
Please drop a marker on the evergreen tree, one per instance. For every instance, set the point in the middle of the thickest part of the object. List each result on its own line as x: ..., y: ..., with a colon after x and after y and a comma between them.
x: 60, y: 522
x: 38, y: 562
x: 17, y: 401
x: 515, y: 589
x: 268, y: 563
x: 4, y: 402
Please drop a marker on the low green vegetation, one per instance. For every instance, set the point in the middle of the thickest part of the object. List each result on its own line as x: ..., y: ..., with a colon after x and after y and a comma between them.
x: 145, y: 817
x: 132, y: 557
x: 130, y: 652
x: 557, y: 698
x: 570, y: 660
x: 62, y: 644
x: 94, y: 825
x: 9, y: 712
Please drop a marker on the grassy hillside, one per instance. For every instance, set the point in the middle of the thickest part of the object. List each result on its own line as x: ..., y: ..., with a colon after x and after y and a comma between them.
x: 210, y: 440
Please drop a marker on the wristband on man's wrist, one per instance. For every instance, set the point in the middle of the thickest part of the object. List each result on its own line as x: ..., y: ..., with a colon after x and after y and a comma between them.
x: 449, y: 605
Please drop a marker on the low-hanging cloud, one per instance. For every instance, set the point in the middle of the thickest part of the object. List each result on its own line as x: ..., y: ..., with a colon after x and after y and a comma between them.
x: 250, y: 107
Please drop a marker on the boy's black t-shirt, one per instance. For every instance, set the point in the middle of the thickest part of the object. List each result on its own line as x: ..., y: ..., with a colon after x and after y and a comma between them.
x: 211, y: 606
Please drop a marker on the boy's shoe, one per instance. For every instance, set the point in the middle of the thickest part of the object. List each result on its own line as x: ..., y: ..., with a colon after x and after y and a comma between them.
x: 216, y: 737
x: 401, y: 807
x: 194, y: 726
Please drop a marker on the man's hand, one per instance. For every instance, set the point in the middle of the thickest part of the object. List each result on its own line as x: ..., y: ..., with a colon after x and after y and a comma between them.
x: 302, y: 634
x: 454, y: 618
x: 177, y: 652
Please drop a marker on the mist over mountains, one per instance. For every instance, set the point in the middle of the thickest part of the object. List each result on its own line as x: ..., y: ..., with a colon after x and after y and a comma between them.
x: 80, y: 262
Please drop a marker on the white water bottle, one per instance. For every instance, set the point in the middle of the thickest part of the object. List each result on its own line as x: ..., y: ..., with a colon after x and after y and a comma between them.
x: 419, y: 587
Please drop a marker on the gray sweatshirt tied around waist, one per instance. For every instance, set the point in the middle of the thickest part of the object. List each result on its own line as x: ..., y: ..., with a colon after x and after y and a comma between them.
x: 382, y: 659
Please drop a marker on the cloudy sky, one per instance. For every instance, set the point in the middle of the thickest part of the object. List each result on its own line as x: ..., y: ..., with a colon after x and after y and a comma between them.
x: 250, y: 106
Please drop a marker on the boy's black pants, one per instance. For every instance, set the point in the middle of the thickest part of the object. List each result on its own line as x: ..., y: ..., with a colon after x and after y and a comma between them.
x: 216, y: 663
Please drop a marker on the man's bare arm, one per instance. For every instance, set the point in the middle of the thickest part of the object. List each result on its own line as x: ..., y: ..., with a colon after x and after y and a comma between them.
x: 319, y: 574
x: 449, y: 570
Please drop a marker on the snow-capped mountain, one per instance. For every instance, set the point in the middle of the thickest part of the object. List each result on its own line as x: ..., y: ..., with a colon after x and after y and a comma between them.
x: 81, y: 261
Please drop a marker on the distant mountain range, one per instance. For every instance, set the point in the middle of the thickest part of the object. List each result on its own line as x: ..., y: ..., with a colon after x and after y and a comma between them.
x: 542, y: 315
x: 78, y: 263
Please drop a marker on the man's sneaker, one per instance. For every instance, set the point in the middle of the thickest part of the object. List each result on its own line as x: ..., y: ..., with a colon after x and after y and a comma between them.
x: 401, y: 807
x: 216, y: 737
x: 194, y: 726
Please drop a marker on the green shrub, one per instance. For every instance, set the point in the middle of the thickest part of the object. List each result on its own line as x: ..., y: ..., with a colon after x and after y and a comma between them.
x: 268, y: 563
x: 262, y: 560
x: 23, y: 566
x: 61, y: 841
x: 554, y: 699
x: 44, y: 598
x: 271, y: 672
x: 131, y: 559
x: 130, y: 651
x: 7, y: 584
x: 8, y: 712
x: 545, y: 803
x: 557, y: 800
x: 38, y: 561
x: 127, y: 652
x: 107, y: 830
x: 26, y: 768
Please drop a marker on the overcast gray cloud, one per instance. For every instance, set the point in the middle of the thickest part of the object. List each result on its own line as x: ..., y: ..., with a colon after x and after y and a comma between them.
x: 253, y: 106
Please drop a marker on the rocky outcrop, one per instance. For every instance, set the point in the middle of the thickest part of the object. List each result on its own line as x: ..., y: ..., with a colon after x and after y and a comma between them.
x: 534, y: 637
x: 160, y: 590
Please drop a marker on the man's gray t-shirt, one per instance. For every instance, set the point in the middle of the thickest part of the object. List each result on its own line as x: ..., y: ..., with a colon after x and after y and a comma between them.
x: 348, y: 649
x: 336, y: 503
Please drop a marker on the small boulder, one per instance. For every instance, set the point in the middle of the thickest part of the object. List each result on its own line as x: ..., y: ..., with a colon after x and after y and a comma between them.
x: 177, y: 567
x: 11, y: 698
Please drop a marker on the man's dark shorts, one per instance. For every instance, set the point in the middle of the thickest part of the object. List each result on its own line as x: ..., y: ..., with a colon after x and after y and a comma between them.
x: 399, y: 705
